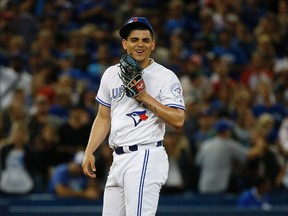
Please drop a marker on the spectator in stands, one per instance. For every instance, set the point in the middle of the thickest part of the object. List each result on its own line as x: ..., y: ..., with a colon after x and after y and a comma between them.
x: 23, y: 21
x: 62, y: 105
x: 256, y: 197
x: 44, y: 147
x: 270, y: 162
x: 94, y: 11
x: 68, y: 180
x: 269, y: 29
x: 81, y: 63
x: 208, y: 30
x: 17, y: 46
x: 265, y: 125
x: 283, y: 180
x: 16, y: 110
x: 87, y: 101
x: 215, y: 158
x: 265, y: 101
x: 245, y: 39
x: 196, y: 86
x: 17, y: 163
x: 251, y: 13
x: 282, y: 14
x: 222, y: 83
x: 44, y: 78
x: 255, y: 72
x: 67, y: 20
x: 66, y: 64
x: 225, y: 49
x: 176, y: 20
x: 242, y: 115
x: 225, y: 14
x: 34, y: 60
x: 74, y: 133
x: 221, y: 75
x: 204, y: 131
x: 45, y: 44
x: 179, y: 156
x: 283, y: 137
x: 13, y: 76
x: 3, y: 131
x: 280, y: 81
x: 243, y: 127
x: 40, y: 116
x: 102, y: 58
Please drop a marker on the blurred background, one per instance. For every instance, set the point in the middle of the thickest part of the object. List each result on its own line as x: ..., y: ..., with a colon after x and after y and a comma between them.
x: 232, y: 60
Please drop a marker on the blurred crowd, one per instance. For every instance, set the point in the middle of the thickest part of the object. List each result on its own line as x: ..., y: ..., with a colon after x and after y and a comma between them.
x: 230, y: 56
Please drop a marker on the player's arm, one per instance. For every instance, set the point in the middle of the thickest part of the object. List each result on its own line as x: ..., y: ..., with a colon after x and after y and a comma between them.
x: 99, y: 131
x: 171, y: 116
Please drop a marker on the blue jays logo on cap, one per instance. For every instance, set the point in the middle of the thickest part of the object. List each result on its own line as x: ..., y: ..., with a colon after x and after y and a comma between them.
x: 132, y: 23
x: 133, y: 19
x: 138, y: 116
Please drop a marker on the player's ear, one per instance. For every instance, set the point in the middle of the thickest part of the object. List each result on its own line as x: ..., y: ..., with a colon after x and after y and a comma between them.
x: 153, y: 45
x: 124, y: 44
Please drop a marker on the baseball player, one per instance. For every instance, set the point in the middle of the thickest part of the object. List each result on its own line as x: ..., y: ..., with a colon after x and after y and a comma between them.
x: 134, y: 111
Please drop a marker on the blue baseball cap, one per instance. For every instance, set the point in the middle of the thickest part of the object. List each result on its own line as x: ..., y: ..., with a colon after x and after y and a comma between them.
x: 222, y: 125
x: 133, y: 23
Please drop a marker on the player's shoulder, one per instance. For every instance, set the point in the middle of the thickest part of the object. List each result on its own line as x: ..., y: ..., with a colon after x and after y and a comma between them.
x: 155, y: 66
x: 160, y: 66
x: 111, y: 70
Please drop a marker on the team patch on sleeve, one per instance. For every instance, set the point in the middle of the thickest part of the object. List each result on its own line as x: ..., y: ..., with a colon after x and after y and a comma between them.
x: 177, y: 92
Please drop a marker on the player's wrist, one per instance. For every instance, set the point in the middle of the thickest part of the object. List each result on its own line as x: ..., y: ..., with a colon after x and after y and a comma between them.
x: 142, y: 96
x: 89, y: 154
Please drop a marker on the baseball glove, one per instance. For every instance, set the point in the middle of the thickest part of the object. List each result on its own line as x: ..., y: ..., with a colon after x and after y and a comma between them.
x: 131, y: 76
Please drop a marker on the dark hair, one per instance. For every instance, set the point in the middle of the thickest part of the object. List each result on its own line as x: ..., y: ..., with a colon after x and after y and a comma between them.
x: 138, y: 27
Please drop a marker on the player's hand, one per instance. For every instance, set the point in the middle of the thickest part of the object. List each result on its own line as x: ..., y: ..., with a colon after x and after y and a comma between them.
x: 88, y: 165
x: 140, y: 97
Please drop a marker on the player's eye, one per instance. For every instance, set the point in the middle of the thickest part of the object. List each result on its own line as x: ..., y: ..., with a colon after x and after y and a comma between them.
x: 146, y: 40
x: 134, y: 40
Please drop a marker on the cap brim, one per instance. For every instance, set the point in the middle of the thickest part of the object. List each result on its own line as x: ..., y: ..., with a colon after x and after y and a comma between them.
x: 124, y: 31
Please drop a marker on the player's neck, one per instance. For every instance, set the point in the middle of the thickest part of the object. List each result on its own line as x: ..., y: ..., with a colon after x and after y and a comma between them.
x: 146, y: 63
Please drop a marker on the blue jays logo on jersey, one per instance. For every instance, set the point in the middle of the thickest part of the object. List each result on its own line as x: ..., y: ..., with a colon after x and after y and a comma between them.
x: 138, y: 116
x: 177, y: 92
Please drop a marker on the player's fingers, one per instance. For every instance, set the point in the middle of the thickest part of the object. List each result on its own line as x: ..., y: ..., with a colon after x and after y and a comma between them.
x: 90, y: 173
x: 87, y: 169
x: 93, y: 167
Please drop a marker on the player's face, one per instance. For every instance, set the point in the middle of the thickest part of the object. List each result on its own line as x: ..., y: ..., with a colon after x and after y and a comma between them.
x: 139, y: 45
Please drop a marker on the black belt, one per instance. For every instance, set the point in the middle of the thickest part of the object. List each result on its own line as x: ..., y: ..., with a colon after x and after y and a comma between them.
x: 120, y: 150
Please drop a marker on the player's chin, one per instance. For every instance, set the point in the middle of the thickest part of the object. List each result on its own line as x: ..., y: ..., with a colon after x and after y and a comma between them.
x: 139, y: 55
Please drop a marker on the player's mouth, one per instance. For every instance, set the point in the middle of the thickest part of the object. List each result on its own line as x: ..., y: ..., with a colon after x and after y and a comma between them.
x: 140, y: 51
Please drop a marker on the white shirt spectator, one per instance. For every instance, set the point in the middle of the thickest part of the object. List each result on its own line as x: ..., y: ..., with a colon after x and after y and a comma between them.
x: 9, y: 81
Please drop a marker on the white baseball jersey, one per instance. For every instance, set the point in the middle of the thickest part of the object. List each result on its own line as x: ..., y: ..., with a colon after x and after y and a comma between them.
x: 132, y: 123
